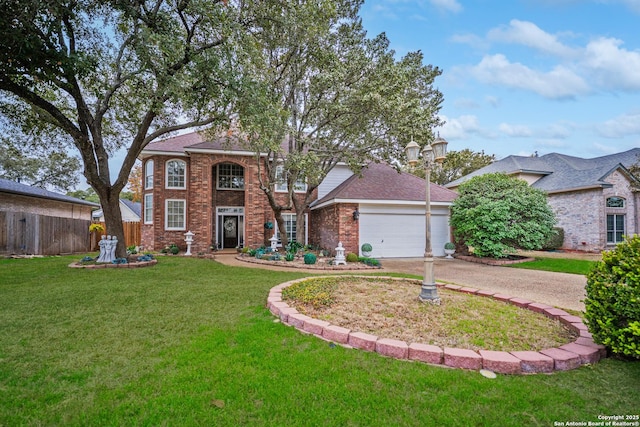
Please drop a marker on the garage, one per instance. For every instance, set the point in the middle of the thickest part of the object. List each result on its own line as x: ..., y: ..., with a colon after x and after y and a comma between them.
x: 398, y: 231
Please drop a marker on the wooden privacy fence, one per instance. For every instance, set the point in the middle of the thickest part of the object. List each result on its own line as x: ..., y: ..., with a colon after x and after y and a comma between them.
x: 28, y: 233
x: 131, y: 234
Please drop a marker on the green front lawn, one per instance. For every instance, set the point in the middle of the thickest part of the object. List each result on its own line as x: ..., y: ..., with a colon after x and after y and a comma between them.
x: 189, y: 342
x: 559, y: 265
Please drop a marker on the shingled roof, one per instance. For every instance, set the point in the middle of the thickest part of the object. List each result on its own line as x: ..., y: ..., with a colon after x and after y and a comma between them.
x: 13, y: 187
x: 379, y: 181
x: 560, y: 172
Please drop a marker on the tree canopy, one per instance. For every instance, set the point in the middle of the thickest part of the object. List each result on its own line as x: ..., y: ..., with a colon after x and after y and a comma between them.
x: 456, y: 165
x: 111, y: 74
x: 496, y: 214
x: 332, y: 95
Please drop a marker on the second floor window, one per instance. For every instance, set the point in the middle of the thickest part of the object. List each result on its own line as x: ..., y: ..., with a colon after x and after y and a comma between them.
x: 176, y: 171
x: 230, y: 177
x: 281, y: 181
x: 148, y: 175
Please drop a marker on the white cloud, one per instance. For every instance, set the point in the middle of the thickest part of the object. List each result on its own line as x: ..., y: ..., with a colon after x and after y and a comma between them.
x: 472, y: 40
x: 558, y: 83
x: 529, y: 34
x: 621, y: 126
x: 520, y: 131
x: 463, y: 127
x: 447, y: 5
x: 613, y: 66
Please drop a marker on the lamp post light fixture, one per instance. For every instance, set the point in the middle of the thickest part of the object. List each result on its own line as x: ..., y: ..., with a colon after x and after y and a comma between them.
x: 435, y: 152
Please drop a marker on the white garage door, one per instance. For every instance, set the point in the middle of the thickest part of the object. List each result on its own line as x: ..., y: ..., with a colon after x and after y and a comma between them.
x: 397, y: 231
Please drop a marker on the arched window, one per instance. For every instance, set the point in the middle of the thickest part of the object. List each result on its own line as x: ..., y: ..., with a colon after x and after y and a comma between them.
x: 176, y: 171
x: 148, y: 175
x: 615, y: 202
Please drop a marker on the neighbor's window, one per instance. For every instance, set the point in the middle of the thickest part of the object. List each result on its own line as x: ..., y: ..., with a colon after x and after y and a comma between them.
x: 615, y: 228
x: 148, y: 175
x: 281, y: 181
x: 176, y: 171
x: 148, y: 208
x: 615, y: 202
x: 230, y: 176
x: 175, y: 215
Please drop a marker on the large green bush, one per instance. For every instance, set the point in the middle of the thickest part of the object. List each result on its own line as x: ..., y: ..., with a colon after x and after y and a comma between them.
x: 497, y: 214
x: 613, y: 299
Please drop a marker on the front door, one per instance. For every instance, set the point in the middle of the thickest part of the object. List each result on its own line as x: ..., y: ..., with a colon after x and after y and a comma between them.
x: 230, y: 231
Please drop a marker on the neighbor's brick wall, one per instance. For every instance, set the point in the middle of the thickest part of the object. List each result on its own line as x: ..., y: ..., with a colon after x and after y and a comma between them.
x: 582, y: 214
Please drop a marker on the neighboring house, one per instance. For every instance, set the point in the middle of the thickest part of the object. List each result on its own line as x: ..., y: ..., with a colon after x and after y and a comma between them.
x: 212, y: 190
x: 129, y: 210
x: 596, y: 201
x: 41, y: 222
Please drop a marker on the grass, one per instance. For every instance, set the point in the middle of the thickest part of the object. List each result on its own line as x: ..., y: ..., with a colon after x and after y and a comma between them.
x: 559, y: 265
x: 389, y: 308
x: 189, y: 342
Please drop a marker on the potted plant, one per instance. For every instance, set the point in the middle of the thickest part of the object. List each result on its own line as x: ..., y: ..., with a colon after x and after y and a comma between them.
x: 366, y: 249
x: 449, y: 249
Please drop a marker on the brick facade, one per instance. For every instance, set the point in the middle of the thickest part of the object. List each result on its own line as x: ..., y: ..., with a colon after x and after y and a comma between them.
x: 203, y: 199
x: 583, y: 214
x: 337, y: 225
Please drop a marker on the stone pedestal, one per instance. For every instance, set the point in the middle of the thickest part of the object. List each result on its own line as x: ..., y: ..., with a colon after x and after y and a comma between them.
x: 340, y: 259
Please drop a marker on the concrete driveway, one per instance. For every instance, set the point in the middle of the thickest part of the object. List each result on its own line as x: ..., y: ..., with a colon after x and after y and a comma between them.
x: 558, y: 289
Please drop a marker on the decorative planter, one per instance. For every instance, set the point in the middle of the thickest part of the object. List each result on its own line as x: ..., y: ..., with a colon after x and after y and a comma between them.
x: 449, y: 252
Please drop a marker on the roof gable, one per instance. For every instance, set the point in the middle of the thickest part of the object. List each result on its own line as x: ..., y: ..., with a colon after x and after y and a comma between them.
x: 381, y: 182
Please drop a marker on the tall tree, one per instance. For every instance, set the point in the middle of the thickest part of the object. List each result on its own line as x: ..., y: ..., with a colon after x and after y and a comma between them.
x: 134, y: 183
x: 43, y: 166
x: 327, y: 94
x: 460, y: 163
x: 116, y: 73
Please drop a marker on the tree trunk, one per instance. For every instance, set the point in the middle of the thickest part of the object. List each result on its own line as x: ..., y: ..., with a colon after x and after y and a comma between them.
x: 113, y: 220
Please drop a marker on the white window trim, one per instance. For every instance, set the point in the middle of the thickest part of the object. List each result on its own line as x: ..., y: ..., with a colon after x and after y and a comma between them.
x: 148, y: 183
x: 148, y: 208
x: 166, y: 173
x: 166, y: 214
x: 282, y: 187
x: 615, y: 230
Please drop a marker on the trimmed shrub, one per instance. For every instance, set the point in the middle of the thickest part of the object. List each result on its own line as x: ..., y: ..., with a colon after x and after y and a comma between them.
x: 351, y: 257
x: 310, y: 258
x: 555, y: 240
x: 613, y: 299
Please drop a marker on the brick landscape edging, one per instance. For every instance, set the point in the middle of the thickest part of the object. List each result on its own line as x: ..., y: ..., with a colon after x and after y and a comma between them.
x: 566, y: 357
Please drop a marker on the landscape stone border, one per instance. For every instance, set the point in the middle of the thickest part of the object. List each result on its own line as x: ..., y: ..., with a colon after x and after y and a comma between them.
x: 137, y: 264
x: 582, y: 351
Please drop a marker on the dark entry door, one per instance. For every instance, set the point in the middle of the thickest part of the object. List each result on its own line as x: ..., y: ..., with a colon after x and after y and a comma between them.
x: 230, y: 231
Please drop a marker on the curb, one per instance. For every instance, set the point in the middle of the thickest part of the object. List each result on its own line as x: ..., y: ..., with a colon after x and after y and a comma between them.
x: 582, y: 351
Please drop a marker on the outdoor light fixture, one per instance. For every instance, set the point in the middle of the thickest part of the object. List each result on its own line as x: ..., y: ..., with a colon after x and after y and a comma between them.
x: 356, y: 215
x: 435, y: 152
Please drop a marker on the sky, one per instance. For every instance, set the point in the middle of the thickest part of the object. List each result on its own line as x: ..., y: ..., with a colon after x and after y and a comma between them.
x: 525, y: 76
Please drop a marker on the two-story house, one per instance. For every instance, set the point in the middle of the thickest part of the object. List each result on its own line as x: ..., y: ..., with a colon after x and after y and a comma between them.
x: 211, y: 189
